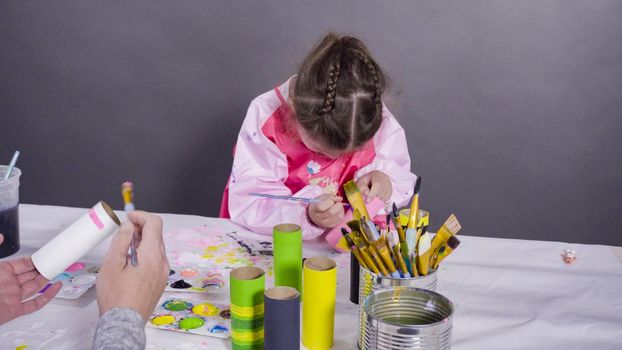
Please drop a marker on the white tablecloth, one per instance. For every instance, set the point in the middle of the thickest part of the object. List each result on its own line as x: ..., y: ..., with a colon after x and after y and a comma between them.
x: 508, y: 294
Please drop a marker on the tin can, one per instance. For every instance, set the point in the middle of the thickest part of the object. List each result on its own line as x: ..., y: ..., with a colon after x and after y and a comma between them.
x: 406, y: 318
x: 370, y: 282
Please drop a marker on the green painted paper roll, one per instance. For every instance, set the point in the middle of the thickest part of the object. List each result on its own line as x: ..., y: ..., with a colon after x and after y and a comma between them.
x: 287, y: 243
x: 247, y: 285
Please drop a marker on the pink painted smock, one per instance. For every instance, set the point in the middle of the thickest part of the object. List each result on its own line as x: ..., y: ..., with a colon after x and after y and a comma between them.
x: 270, y: 158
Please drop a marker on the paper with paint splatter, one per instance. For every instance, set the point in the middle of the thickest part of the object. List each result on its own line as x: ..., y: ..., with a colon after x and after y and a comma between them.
x: 214, y: 248
x: 188, y: 316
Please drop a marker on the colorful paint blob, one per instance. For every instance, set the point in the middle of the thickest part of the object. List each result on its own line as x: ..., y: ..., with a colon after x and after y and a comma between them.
x: 191, y: 316
x: 226, y: 314
x: 176, y: 305
x: 189, y: 272
x: 191, y: 323
x: 77, y: 266
x: 76, y: 280
x: 181, y: 284
x: 205, y: 310
x: 163, y: 320
x: 84, y: 279
x: 213, y: 283
x: 61, y: 277
x: 219, y: 329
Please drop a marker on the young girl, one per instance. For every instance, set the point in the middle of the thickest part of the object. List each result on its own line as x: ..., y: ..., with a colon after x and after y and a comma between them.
x: 321, y: 128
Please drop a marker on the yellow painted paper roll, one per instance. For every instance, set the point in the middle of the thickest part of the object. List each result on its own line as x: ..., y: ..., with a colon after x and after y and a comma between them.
x: 318, y: 305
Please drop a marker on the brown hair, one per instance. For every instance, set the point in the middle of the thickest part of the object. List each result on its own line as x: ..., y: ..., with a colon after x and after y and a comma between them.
x: 338, y: 93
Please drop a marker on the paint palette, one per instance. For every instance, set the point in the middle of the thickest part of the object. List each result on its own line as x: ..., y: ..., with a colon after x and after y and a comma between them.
x: 181, y: 315
x: 77, y: 280
x: 196, y: 279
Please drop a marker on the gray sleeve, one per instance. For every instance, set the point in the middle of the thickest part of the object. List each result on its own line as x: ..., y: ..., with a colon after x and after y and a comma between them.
x: 120, y: 328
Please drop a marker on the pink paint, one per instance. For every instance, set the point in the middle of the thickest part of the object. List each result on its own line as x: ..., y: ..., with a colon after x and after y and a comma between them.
x: 189, y: 272
x: 98, y: 223
x: 77, y: 266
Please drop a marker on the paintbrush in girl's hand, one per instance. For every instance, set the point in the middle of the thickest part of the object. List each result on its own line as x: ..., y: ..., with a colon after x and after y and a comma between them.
x: 289, y: 198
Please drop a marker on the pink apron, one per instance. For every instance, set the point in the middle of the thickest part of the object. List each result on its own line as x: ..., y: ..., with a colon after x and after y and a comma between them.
x: 306, y: 167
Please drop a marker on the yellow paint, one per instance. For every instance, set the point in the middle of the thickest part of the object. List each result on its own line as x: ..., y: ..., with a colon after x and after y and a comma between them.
x: 205, y: 310
x: 246, y: 336
x: 21, y: 347
x: 247, y: 311
x: 163, y: 320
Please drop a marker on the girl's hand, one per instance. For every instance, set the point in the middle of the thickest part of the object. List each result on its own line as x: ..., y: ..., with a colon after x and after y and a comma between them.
x: 375, y: 184
x: 327, y: 213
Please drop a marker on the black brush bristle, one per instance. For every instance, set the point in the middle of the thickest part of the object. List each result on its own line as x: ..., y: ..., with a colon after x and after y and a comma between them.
x: 417, y: 185
x: 344, y: 231
x: 395, y: 212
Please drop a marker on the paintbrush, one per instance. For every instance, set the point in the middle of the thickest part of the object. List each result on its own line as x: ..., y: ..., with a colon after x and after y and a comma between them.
x: 452, y: 243
x: 395, y: 217
x: 355, y: 198
x: 423, y: 254
x: 353, y: 248
x: 369, y: 229
x: 283, y: 197
x: 401, y: 263
x: 449, y: 228
x: 411, y: 227
x: 378, y: 260
x: 127, y: 191
x: 369, y: 261
x: 385, y: 254
x: 414, y: 205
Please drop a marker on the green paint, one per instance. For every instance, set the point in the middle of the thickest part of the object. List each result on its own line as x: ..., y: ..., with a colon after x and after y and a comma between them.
x: 191, y: 323
x: 176, y: 305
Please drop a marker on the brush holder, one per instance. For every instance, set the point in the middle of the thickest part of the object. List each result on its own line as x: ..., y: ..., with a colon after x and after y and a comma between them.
x: 406, y: 318
x: 370, y: 282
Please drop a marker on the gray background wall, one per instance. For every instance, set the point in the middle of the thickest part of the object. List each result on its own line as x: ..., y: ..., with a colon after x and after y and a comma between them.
x: 513, y: 109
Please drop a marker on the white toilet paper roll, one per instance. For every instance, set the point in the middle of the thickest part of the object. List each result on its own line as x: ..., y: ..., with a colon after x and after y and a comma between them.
x: 76, y: 240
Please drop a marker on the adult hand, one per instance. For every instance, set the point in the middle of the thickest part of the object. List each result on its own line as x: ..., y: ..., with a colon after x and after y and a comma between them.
x: 19, y: 280
x: 328, y: 212
x: 136, y: 287
x: 375, y: 184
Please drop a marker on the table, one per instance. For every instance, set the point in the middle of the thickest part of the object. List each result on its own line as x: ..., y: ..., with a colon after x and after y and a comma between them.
x: 508, y: 294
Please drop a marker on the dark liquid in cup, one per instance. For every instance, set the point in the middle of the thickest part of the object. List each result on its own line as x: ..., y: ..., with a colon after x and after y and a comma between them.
x: 9, y: 227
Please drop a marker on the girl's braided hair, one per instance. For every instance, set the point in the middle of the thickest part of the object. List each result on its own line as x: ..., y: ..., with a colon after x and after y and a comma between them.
x: 338, y: 93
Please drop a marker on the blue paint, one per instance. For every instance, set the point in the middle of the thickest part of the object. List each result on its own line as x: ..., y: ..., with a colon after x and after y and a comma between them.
x: 219, y: 329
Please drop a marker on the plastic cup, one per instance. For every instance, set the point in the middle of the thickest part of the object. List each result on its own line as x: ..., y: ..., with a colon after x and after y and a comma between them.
x: 9, y: 213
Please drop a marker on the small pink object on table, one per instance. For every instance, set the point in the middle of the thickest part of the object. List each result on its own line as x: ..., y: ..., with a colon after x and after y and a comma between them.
x: 335, y: 237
